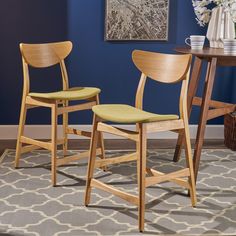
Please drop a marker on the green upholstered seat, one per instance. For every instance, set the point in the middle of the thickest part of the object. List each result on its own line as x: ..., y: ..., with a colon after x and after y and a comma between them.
x: 120, y: 113
x: 76, y: 93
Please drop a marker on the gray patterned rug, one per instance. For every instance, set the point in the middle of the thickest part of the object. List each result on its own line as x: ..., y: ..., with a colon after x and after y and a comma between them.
x: 30, y: 206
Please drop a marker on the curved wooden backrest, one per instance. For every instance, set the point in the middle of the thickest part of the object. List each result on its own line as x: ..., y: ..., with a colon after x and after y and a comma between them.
x: 166, y: 68
x: 45, y: 55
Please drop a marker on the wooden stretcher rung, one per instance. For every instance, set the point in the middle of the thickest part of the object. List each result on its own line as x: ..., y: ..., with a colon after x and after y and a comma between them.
x: 30, y: 148
x: 40, y: 102
x: 117, y: 131
x: 79, y: 107
x: 213, y: 113
x: 179, y: 181
x: 167, y: 177
x: 79, y: 132
x: 110, y: 189
x: 114, y: 160
x: 176, y: 130
x: 46, y: 145
x: 168, y: 125
x: 76, y: 157
x: 197, y: 101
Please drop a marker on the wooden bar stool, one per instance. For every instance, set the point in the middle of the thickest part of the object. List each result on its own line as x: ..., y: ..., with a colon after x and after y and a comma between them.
x: 166, y: 69
x: 42, y: 56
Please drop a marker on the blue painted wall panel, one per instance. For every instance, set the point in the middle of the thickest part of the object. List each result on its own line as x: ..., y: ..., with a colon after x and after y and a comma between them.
x: 109, y: 66
x: 93, y: 62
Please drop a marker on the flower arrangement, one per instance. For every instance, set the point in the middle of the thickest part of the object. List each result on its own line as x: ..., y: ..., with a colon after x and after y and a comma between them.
x: 203, y: 9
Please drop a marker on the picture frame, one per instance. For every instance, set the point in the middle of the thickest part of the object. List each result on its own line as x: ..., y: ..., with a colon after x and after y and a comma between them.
x: 137, y: 20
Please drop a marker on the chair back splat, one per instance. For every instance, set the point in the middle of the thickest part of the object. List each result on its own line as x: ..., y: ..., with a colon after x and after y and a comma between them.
x: 45, y: 55
x: 165, y: 68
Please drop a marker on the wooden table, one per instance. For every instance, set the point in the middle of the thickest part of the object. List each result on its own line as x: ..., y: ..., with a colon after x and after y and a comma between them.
x: 210, y: 109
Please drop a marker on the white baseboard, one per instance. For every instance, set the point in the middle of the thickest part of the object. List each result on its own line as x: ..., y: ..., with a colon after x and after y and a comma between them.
x: 43, y: 132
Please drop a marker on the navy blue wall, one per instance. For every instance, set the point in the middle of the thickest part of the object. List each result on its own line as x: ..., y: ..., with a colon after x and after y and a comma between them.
x: 30, y: 22
x: 93, y: 61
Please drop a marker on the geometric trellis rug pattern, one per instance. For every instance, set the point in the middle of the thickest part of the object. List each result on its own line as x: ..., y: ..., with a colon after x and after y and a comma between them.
x: 30, y: 206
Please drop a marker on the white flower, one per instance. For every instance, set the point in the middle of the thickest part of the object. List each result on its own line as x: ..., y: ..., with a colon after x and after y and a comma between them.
x: 203, y: 12
x: 205, y: 17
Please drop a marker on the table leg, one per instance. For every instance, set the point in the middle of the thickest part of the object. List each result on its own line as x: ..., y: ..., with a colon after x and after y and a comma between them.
x: 209, y: 82
x: 197, y: 67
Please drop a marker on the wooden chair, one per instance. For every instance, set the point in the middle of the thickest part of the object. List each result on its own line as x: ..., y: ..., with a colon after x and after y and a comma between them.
x: 163, y: 68
x: 42, y: 56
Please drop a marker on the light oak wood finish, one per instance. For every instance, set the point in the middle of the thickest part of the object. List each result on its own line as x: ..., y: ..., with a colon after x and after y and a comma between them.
x: 76, y: 157
x: 110, y: 189
x: 80, y: 107
x: 114, y: 160
x: 65, y: 82
x: 100, y: 141
x: 41, y: 56
x: 54, y: 144
x: 46, y: 55
x: 147, y: 63
x: 41, y: 144
x: 118, y: 144
x: 163, y: 68
x: 65, y: 128
x: 141, y: 173
x: 32, y: 147
x: 210, y: 109
x: 167, y: 177
x: 176, y: 180
x: 172, y: 125
x: 79, y: 132
x: 132, y: 135
x: 92, y: 159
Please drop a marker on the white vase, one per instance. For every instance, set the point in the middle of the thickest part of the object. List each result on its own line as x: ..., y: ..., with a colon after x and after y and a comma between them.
x: 220, y: 27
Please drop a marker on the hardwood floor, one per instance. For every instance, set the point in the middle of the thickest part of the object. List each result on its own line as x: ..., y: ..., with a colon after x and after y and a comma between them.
x: 116, y: 144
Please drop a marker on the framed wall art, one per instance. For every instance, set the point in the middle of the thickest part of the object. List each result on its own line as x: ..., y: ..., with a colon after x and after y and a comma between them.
x: 136, y: 20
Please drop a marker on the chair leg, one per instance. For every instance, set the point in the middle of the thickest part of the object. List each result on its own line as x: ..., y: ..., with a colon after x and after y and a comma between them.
x: 141, y: 174
x: 101, y: 140
x: 92, y: 158
x: 20, y: 132
x: 101, y: 145
x: 189, y: 161
x: 65, y: 127
x: 54, y: 144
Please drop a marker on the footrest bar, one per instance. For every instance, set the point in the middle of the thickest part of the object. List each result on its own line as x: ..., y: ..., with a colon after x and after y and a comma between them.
x: 76, y: 157
x: 46, y: 145
x: 114, y: 160
x: 110, y: 189
x: 173, y: 177
x: 79, y: 132
x: 30, y: 148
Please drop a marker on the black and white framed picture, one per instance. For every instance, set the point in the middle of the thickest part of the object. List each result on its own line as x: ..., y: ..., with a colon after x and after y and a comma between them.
x: 136, y: 20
